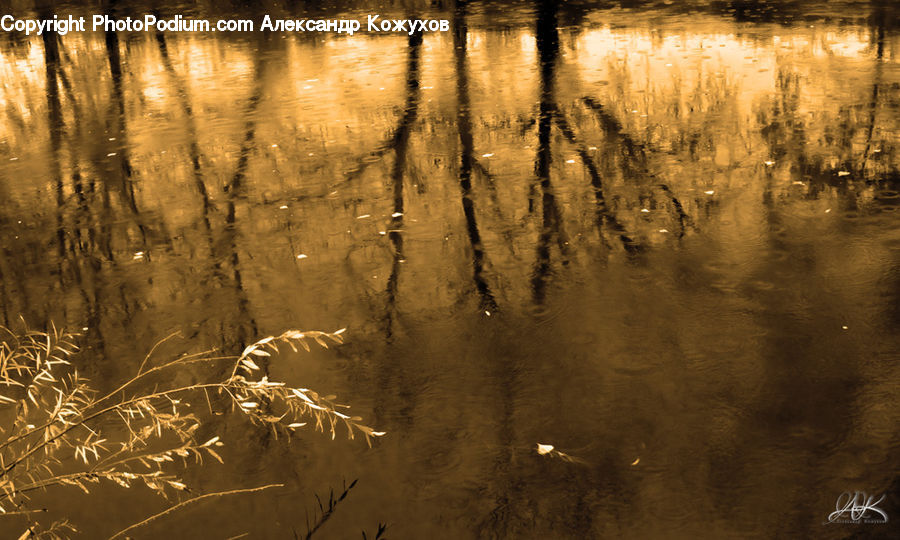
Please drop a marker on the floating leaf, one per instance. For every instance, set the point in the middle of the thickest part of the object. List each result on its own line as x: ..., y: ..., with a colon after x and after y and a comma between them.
x: 544, y: 449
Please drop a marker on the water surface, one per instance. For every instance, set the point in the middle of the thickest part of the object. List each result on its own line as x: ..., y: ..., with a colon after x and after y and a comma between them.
x: 664, y: 240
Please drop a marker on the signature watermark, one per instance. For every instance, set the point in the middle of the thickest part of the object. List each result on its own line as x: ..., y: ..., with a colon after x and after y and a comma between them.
x: 857, y: 507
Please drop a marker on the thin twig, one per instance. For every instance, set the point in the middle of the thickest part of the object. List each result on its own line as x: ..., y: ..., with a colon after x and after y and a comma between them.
x: 194, y: 500
x: 158, y: 343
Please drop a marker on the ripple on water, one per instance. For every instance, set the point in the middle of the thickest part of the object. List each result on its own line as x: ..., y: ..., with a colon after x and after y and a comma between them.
x: 779, y: 254
x: 888, y: 197
x: 436, y: 460
x: 640, y: 275
x: 762, y: 285
x: 545, y: 313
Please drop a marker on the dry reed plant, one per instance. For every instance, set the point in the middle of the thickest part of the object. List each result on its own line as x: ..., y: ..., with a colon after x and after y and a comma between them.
x: 55, y: 429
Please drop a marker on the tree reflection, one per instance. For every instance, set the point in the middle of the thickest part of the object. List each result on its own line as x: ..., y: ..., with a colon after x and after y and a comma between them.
x: 400, y: 145
x: 467, y: 157
x: 547, y: 37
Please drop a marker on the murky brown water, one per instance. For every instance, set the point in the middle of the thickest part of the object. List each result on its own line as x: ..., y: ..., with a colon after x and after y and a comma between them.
x: 665, y: 241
